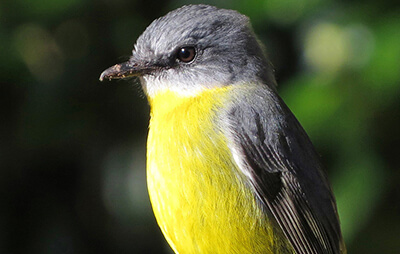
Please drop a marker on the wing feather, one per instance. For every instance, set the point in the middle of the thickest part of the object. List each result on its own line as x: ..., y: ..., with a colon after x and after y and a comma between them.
x: 285, y: 172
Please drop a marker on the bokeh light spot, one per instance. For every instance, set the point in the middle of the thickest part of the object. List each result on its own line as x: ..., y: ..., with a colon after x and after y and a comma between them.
x: 362, y: 44
x: 39, y: 52
x: 326, y: 48
x: 124, y: 184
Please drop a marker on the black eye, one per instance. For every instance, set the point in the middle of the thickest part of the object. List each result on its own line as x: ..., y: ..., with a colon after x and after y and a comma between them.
x: 186, y: 54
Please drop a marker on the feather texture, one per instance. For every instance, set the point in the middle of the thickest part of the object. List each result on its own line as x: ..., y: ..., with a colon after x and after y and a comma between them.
x: 283, y: 169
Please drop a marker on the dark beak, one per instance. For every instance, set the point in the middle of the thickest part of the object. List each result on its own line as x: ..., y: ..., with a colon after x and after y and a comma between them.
x: 125, y: 70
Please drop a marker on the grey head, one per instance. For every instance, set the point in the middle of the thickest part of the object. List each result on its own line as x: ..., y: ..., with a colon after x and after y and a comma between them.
x: 193, y: 48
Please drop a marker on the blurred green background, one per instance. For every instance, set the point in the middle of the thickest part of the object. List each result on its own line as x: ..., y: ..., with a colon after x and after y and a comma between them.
x: 72, y: 150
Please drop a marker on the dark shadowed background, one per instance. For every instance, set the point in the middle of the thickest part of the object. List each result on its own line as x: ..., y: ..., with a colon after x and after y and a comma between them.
x: 72, y: 149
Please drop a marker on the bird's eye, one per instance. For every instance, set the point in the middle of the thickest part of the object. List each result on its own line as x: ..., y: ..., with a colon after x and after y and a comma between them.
x: 186, y: 54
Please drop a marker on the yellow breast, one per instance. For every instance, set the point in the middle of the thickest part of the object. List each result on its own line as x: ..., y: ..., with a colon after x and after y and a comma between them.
x: 199, y: 198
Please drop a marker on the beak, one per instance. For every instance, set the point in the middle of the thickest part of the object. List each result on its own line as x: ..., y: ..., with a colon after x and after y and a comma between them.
x: 125, y: 70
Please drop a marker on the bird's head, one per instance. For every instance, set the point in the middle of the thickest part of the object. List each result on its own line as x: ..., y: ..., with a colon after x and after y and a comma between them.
x: 194, y: 48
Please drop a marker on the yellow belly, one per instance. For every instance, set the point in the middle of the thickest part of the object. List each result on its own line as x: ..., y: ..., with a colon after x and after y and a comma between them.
x: 199, y: 197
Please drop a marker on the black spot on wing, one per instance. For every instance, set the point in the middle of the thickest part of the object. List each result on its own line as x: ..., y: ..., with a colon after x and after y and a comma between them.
x: 256, y: 159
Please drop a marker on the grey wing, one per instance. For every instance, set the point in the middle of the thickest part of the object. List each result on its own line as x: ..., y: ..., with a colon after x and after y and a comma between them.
x: 284, y: 171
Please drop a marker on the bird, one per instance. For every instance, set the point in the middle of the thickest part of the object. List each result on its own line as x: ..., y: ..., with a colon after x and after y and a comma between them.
x: 229, y: 167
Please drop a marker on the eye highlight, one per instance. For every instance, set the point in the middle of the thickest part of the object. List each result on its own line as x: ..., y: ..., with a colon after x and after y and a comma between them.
x: 186, y: 54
